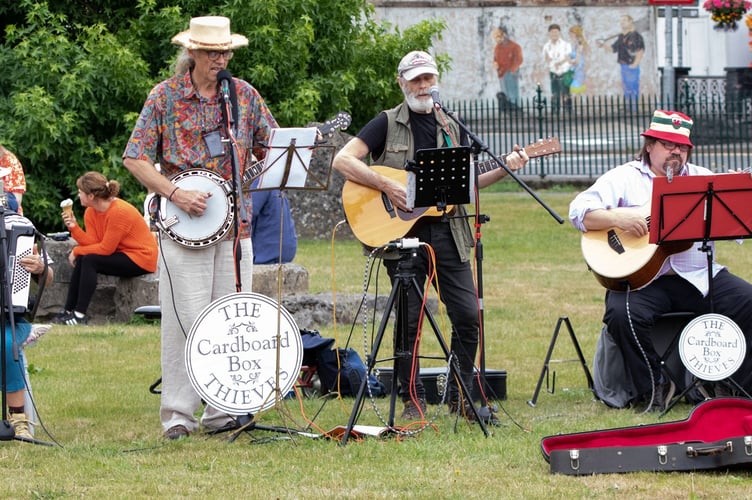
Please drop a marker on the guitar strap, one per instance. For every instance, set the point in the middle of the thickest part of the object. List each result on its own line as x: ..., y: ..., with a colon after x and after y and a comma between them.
x: 447, y: 138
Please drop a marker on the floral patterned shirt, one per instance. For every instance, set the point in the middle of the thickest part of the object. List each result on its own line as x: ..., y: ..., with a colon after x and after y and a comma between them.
x: 15, y: 181
x: 176, y: 120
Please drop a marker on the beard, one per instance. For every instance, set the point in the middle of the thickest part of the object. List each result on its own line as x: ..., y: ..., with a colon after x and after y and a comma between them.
x: 673, y: 162
x: 416, y: 103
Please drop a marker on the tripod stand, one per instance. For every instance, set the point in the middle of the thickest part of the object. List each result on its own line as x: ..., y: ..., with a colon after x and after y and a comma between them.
x: 403, y: 282
x: 478, y: 146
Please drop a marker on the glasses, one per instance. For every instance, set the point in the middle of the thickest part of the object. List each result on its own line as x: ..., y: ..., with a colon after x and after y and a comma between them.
x: 214, y: 55
x: 670, y: 146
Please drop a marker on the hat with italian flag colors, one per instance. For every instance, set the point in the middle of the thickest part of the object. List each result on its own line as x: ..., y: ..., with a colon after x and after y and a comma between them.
x: 670, y: 126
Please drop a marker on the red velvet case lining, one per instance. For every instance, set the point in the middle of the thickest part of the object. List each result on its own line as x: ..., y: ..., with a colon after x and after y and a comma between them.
x: 708, y: 422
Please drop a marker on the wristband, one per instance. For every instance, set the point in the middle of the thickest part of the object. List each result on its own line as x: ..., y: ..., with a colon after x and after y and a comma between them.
x: 169, y: 198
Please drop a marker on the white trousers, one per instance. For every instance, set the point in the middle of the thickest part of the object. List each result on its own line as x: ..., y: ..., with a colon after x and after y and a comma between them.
x: 189, y: 280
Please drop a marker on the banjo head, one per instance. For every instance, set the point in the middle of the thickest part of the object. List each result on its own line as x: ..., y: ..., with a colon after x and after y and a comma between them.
x: 207, y: 229
x: 244, y: 351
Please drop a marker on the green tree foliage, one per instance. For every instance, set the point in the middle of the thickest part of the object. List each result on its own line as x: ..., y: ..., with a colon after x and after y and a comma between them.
x: 76, y: 73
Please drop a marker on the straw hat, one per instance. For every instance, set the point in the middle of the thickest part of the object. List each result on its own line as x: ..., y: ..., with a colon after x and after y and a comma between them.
x: 670, y: 126
x: 210, y: 33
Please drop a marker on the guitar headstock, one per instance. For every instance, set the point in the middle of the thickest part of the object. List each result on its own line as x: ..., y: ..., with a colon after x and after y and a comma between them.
x: 339, y: 122
x: 543, y: 147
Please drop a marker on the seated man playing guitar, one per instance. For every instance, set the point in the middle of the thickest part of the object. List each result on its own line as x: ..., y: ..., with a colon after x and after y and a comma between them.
x: 614, y: 209
x: 390, y: 139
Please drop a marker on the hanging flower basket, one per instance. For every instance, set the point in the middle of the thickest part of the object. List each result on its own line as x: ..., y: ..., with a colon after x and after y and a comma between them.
x: 726, y: 13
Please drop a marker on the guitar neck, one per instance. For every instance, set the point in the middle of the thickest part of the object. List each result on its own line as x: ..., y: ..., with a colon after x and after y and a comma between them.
x: 486, y: 166
x: 251, y: 172
x: 542, y: 147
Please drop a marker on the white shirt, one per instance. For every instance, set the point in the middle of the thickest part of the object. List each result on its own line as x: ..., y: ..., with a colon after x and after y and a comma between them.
x: 557, y: 54
x: 631, y: 185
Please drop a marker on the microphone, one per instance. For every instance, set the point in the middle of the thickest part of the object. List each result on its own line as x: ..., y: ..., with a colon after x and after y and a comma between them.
x: 224, y: 78
x: 435, y: 95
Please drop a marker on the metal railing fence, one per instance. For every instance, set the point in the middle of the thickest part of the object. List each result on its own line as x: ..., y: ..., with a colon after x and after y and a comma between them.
x: 600, y: 132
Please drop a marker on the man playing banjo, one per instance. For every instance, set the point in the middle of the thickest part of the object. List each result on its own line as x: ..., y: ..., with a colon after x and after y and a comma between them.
x: 181, y: 127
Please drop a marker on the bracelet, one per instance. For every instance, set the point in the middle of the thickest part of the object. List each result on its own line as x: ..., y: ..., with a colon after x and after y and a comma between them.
x: 169, y: 198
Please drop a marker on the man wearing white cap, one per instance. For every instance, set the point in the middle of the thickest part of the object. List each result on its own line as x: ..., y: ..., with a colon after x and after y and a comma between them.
x: 616, y: 200
x: 390, y: 139
x: 181, y: 127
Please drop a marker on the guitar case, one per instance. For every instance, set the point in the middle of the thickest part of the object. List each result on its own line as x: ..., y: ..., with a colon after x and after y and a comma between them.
x: 716, y: 435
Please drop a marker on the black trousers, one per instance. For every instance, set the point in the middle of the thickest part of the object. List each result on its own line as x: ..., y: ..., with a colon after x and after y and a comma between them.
x: 83, y: 281
x: 732, y: 297
x: 457, y: 291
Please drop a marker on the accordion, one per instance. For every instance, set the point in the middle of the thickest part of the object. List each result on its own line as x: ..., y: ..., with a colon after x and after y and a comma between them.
x: 20, y: 236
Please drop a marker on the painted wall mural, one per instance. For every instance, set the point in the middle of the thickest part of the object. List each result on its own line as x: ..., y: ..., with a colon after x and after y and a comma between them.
x: 499, y: 51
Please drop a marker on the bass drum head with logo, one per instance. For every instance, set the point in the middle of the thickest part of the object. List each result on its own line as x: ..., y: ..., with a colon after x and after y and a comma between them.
x: 232, y: 350
x: 712, y: 347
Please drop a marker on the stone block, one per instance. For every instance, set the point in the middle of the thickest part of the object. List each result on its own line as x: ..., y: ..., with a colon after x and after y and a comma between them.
x: 116, y: 298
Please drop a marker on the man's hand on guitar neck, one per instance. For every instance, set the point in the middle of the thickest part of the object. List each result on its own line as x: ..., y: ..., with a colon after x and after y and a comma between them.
x: 514, y: 161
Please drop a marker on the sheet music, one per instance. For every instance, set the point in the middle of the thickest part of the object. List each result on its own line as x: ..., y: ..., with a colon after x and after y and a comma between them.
x: 288, y: 145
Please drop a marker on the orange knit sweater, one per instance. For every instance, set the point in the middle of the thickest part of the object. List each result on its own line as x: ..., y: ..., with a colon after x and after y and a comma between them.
x: 120, y: 228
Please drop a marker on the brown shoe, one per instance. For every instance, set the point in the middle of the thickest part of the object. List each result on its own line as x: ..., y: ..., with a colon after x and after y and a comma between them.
x: 662, y: 395
x: 413, y: 412
x: 177, y: 432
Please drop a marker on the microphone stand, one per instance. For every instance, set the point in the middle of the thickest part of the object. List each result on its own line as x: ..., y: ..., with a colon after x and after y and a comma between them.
x: 478, y: 146
x: 241, y: 211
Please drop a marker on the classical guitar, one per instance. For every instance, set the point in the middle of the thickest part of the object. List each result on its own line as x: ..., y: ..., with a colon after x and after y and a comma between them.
x: 619, y: 259
x: 219, y: 216
x: 375, y: 221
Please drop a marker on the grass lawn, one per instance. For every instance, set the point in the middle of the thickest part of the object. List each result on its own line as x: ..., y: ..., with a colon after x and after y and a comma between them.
x: 91, y: 389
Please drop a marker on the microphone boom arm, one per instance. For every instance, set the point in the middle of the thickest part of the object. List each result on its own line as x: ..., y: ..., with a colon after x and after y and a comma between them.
x: 484, y: 147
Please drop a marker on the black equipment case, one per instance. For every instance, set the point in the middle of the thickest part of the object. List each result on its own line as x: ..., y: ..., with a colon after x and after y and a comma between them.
x: 435, y: 380
x: 717, y: 434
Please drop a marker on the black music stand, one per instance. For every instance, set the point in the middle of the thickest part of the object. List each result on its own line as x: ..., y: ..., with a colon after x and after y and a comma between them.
x: 701, y: 208
x: 440, y: 178
x: 436, y: 178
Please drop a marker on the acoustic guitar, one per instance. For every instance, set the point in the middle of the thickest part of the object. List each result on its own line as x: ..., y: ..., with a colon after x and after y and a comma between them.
x: 619, y: 259
x: 375, y: 221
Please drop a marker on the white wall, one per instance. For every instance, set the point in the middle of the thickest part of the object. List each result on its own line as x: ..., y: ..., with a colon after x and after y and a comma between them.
x: 705, y: 51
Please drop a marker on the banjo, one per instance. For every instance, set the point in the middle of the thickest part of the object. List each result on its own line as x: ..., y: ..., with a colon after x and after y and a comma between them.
x: 219, y: 217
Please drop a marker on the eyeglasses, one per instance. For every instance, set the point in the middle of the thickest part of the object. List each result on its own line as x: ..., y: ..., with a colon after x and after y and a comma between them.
x: 673, y: 145
x: 216, y: 54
